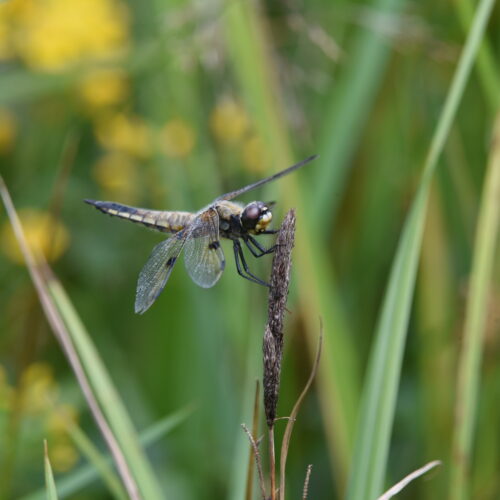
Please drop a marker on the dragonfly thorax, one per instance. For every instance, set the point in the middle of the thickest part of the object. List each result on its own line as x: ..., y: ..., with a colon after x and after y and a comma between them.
x: 255, y: 217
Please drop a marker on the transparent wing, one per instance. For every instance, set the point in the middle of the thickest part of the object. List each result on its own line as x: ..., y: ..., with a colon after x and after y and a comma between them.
x: 203, y: 254
x: 155, y: 273
x: 238, y: 192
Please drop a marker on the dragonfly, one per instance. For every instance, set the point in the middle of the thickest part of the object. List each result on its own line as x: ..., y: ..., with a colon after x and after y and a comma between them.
x: 198, y: 234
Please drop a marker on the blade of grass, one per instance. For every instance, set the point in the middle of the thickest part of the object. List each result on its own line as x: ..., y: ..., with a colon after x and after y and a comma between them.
x: 85, y: 475
x: 106, y: 392
x: 96, y: 458
x: 468, y: 384
x: 350, y: 104
x: 379, y: 397
x: 50, y: 484
x: 486, y: 67
x: 64, y: 338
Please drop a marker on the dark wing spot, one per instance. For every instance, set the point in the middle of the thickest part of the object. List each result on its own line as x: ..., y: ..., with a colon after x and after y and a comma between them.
x: 214, y: 245
x: 171, y: 261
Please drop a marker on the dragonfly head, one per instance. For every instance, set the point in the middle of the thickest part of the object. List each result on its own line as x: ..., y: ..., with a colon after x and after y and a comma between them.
x: 256, y: 216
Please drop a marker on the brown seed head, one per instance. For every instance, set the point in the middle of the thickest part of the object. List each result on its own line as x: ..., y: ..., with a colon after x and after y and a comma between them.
x: 273, y: 334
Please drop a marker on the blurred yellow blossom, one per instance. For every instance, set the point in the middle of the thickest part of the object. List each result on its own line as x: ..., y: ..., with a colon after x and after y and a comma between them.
x: 62, y: 417
x: 229, y: 121
x: 177, y: 138
x: 253, y: 154
x: 51, y: 34
x: 39, y: 388
x: 44, y: 234
x: 125, y: 133
x: 116, y: 174
x: 63, y: 455
x: 5, y: 33
x: 59, y: 421
x: 105, y: 87
x: 38, y: 393
x: 7, y: 130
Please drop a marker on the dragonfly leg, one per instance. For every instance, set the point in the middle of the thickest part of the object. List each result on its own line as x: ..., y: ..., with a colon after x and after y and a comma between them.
x: 260, y: 249
x: 239, y: 258
x: 270, y: 231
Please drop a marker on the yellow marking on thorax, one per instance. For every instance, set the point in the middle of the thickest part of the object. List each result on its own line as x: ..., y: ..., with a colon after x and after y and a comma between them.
x: 227, y: 208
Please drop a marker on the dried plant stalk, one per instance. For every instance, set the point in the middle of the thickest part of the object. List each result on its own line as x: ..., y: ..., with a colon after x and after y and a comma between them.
x: 39, y: 273
x: 291, y: 420
x: 255, y: 446
x: 273, y: 334
x: 255, y: 430
x: 305, y: 490
x: 398, y: 487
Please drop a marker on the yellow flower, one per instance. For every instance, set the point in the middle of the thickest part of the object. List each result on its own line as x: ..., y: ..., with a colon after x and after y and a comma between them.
x: 116, y: 174
x: 5, y: 33
x: 58, y: 420
x: 7, y: 130
x: 177, y: 138
x: 63, y: 455
x: 58, y: 423
x: 51, y: 34
x: 105, y: 87
x: 39, y: 388
x: 229, y: 121
x: 254, y: 155
x: 44, y: 234
x: 124, y: 133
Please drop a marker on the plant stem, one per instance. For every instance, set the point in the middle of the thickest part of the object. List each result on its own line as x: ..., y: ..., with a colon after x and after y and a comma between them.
x: 272, y: 463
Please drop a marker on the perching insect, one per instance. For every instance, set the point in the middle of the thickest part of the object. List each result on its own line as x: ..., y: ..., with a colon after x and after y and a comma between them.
x: 199, y: 235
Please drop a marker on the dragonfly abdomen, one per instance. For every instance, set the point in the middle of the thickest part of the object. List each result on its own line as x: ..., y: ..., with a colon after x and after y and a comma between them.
x: 163, y: 221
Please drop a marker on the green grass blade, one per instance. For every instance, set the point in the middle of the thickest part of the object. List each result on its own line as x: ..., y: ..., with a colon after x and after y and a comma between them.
x: 468, y: 385
x: 78, y: 479
x: 50, y: 484
x: 379, y: 397
x: 486, y: 66
x: 97, y: 459
x: 107, y: 394
x: 350, y: 104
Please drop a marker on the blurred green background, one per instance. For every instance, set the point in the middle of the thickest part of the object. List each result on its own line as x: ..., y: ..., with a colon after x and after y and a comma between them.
x: 169, y: 104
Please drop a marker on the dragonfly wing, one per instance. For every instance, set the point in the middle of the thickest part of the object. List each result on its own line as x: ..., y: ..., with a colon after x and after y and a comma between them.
x: 203, y: 254
x: 155, y: 273
x: 238, y: 192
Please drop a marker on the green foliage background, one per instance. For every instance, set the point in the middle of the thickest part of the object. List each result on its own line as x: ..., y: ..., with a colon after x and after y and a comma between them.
x: 363, y: 85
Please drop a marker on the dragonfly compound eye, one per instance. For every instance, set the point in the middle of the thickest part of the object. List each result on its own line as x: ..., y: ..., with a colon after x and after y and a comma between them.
x: 256, y: 216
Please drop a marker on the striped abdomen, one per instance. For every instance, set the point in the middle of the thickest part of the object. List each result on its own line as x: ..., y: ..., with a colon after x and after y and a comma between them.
x: 170, y: 222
